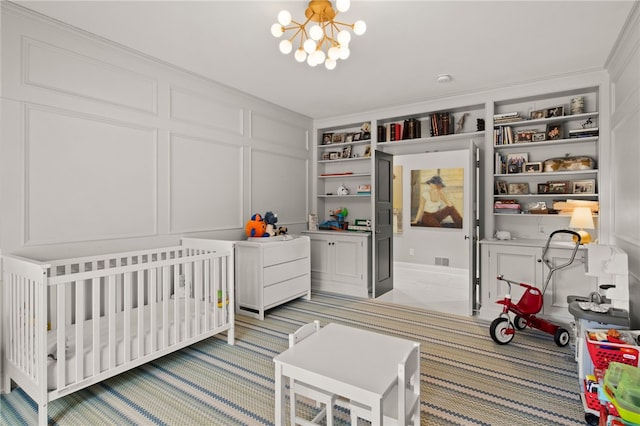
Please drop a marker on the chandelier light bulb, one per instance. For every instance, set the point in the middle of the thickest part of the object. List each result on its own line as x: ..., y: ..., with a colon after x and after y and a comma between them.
x: 330, y: 64
x: 344, y: 52
x: 286, y: 46
x: 284, y: 17
x: 359, y: 27
x: 344, y: 37
x: 300, y: 55
x: 333, y: 52
x: 343, y: 5
x: 309, y: 46
x: 311, y: 61
x: 316, y: 32
x: 277, y: 30
x: 319, y: 56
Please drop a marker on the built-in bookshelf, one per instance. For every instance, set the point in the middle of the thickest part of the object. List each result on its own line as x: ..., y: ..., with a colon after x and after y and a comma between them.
x: 545, y: 155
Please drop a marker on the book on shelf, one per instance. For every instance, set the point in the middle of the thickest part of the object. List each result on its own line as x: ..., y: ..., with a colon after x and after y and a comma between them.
x: 411, y: 129
x: 506, y: 117
x: 441, y: 124
x: 503, y: 135
x: 583, y: 133
x: 506, y: 207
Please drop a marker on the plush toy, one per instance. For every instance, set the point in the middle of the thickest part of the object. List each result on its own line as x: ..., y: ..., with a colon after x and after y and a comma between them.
x: 255, y: 226
x: 282, y: 230
x: 270, y: 219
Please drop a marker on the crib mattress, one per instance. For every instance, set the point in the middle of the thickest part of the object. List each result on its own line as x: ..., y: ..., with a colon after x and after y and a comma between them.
x: 164, y: 337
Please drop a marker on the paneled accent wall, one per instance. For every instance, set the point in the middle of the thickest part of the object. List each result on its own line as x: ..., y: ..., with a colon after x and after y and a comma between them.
x: 105, y: 149
x: 624, y: 69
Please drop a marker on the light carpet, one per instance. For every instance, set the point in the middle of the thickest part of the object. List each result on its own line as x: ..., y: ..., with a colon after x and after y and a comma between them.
x: 466, y: 378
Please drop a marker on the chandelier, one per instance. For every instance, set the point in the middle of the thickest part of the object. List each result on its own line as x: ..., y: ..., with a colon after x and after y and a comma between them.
x: 326, y: 40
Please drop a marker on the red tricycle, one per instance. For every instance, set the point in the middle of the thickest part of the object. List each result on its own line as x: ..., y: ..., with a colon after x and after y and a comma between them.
x: 503, y: 328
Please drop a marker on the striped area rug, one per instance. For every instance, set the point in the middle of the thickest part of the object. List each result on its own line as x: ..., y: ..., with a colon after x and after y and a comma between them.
x: 467, y: 379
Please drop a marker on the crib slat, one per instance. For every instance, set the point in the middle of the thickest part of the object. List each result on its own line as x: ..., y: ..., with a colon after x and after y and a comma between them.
x: 208, y: 297
x: 80, y: 323
x: 189, y: 288
x: 153, y: 301
x: 111, y: 312
x: 95, y: 317
x: 140, y: 303
x: 61, y: 336
x: 127, y: 317
x: 198, y: 287
x: 166, y: 294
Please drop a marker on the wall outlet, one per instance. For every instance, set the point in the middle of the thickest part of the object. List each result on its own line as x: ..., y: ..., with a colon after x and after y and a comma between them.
x: 412, y: 252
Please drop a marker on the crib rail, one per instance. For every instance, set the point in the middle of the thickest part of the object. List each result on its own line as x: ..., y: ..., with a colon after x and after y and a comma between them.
x: 75, y: 322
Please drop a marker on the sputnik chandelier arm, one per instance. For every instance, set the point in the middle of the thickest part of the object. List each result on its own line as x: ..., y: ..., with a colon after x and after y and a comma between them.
x: 325, y: 41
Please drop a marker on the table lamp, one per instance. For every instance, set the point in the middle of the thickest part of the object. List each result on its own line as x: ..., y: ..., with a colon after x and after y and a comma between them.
x: 582, y: 219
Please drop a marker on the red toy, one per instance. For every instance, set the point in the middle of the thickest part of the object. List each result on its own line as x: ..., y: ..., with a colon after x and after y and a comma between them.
x: 503, y: 328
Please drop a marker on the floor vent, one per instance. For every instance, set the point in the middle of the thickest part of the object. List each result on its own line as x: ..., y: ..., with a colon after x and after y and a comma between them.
x: 442, y: 261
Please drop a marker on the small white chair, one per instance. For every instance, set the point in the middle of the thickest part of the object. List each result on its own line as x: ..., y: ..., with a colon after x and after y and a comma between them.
x: 308, y: 391
x: 404, y: 397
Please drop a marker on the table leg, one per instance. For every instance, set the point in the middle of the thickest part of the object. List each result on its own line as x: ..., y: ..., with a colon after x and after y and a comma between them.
x: 280, y: 406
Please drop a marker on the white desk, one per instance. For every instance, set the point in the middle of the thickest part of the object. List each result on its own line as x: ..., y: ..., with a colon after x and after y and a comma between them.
x: 356, y: 364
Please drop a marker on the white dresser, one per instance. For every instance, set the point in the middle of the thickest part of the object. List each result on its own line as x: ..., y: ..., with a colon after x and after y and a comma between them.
x: 271, y: 271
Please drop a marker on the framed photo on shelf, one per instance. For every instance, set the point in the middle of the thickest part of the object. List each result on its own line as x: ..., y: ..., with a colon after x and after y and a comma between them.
x: 357, y: 136
x: 543, y: 188
x: 518, y: 188
x: 346, y: 152
x: 587, y: 186
x: 538, y: 114
x: 554, y: 131
x: 559, y: 187
x: 555, y: 112
x: 533, y: 167
x: 524, y: 136
x: 338, y: 138
x: 326, y: 155
x: 349, y: 137
x: 367, y: 151
x: 501, y: 187
x: 538, y: 137
x: 516, y: 161
x: 327, y: 138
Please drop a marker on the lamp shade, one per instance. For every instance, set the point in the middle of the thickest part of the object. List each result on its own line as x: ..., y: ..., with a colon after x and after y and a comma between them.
x: 582, y: 219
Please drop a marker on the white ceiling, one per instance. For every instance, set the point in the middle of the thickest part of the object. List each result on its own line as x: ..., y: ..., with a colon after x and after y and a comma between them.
x: 482, y: 44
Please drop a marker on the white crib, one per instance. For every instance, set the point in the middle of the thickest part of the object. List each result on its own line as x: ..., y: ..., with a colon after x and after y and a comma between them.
x: 103, y: 315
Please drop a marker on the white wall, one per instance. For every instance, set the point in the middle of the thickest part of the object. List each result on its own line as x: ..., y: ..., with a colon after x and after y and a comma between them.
x: 105, y: 149
x: 429, y: 243
x: 624, y: 68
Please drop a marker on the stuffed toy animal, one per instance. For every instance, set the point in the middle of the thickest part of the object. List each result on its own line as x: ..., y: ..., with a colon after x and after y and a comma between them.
x: 282, y: 230
x: 255, y: 227
x: 270, y: 219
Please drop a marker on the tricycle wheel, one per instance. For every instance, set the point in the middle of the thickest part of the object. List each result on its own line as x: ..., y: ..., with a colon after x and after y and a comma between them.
x: 519, y: 322
x: 592, y: 419
x: 501, y: 330
x: 561, y: 337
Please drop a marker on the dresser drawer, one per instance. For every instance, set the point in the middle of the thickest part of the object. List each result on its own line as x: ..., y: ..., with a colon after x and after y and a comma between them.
x: 286, y: 251
x: 286, y: 290
x: 285, y: 271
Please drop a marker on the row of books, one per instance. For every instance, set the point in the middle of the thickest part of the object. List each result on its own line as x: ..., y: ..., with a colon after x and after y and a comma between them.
x: 583, y: 133
x: 407, y: 129
x: 506, y: 207
x: 507, y: 117
x: 503, y: 135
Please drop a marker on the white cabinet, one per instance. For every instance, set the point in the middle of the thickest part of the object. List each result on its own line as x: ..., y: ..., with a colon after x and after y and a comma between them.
x: 340, y: 262
x: 271, y: 271
x: 521, y: 260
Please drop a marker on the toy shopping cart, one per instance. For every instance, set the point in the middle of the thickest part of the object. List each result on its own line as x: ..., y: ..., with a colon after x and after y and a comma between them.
x: 502, y: 329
